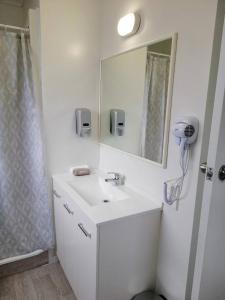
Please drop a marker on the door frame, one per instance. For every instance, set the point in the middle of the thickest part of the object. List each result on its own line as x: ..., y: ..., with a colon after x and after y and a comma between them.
x: 202, y: 208
x: 218, y: 34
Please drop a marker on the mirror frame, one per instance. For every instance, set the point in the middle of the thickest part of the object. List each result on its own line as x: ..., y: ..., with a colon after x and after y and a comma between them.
x: 174, y: 38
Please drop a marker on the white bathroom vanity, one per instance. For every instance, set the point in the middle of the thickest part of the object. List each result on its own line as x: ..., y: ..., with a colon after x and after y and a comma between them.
x: 107, y: 237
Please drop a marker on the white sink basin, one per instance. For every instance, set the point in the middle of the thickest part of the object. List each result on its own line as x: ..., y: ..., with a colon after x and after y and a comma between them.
x: 89, y: 192
x: 95, y: 191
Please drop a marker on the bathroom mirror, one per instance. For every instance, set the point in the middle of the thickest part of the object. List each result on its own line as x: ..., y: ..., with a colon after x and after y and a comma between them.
x: 136, y: 94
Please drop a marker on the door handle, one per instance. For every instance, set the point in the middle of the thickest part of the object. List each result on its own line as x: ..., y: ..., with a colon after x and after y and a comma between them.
x: 68, y: 209
x: 56, y: 194
x: 203, y: 167
x: 85, y: 232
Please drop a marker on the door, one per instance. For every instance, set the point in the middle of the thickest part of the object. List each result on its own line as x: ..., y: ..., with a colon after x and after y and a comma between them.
x: 60, y: 218
x: 66, y: 239
x: 86, y: 233
x: 209, y: 276
x: 76, y: 240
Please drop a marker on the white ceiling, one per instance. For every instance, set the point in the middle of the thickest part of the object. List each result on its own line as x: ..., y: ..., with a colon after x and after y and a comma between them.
x: 12, y: 2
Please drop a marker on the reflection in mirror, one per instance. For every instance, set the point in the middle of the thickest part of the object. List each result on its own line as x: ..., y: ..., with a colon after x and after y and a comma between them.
x: 135, y: 102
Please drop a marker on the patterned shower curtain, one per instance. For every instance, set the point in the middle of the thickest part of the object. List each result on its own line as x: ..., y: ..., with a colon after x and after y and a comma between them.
x: 25, y: 214
x: 154, y: 110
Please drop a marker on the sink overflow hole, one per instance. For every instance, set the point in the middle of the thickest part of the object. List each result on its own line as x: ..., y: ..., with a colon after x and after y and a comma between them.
x: 106, y: 201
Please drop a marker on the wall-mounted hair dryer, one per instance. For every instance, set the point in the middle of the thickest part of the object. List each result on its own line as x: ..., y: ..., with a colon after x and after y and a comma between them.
x: 185, y: 131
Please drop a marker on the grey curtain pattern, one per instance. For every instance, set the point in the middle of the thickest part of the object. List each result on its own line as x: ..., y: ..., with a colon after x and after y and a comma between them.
x: 154, y: 110
x: 25, y: 214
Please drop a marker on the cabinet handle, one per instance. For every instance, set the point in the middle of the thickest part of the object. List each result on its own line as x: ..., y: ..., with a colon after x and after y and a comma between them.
x: 85, y: 232
x: 68, y: 209
x: 56, y: 194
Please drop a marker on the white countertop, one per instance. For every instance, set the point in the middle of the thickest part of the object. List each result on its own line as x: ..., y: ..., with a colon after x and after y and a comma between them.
x: 136, y: 203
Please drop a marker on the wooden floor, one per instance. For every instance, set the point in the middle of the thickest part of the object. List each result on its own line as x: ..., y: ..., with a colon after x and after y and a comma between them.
x: 44, y: 283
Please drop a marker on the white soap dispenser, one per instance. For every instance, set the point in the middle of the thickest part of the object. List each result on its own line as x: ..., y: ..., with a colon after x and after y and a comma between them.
x: 83, y: 122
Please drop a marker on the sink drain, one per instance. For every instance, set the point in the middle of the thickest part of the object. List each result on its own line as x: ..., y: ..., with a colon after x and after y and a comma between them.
x: 105, y: 201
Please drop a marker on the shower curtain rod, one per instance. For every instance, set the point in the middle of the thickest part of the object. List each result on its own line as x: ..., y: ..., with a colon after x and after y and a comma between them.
x: 4, y: 26
x: 158, y: 53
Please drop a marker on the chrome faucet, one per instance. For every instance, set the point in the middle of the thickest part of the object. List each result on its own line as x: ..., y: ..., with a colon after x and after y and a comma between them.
x: 117, y: 178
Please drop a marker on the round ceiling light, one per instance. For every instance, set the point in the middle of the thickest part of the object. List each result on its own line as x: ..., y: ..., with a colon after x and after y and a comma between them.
x: 129, y: 24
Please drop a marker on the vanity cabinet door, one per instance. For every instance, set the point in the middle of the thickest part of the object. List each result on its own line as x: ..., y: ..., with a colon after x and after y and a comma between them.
x: 86, y: 233
x: 60, y: 226
x: 66, y: 240
x: 76, y: 239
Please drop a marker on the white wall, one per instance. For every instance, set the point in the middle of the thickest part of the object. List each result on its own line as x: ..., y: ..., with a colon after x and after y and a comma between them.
x: 29, y: 4
x: 70, y: 75
x: 194, y: 21
x: 16, y: 15
x: 11, y: 15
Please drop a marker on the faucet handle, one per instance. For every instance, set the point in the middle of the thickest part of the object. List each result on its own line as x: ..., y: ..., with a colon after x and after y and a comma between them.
x: 117, y: 179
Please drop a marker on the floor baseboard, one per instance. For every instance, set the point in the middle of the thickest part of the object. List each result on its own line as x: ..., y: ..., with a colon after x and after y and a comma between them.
x: 24, y: 264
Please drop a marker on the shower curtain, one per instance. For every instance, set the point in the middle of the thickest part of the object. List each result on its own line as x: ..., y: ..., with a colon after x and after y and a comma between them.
x: 25, y: 215
x: 154, y: 110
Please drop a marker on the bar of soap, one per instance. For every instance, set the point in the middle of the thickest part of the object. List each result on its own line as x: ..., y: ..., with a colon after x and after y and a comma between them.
x: 80, y: 170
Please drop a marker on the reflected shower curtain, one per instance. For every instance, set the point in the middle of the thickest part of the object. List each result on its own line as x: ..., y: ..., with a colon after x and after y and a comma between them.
x: 25, y: 215
x: 155, y: 98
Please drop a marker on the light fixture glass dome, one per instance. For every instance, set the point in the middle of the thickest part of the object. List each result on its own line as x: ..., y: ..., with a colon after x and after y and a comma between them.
x: 128, y: 25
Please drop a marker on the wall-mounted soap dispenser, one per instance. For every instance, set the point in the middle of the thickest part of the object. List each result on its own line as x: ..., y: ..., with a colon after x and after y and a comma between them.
x: 83, y: 122
x: 117, y: 122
